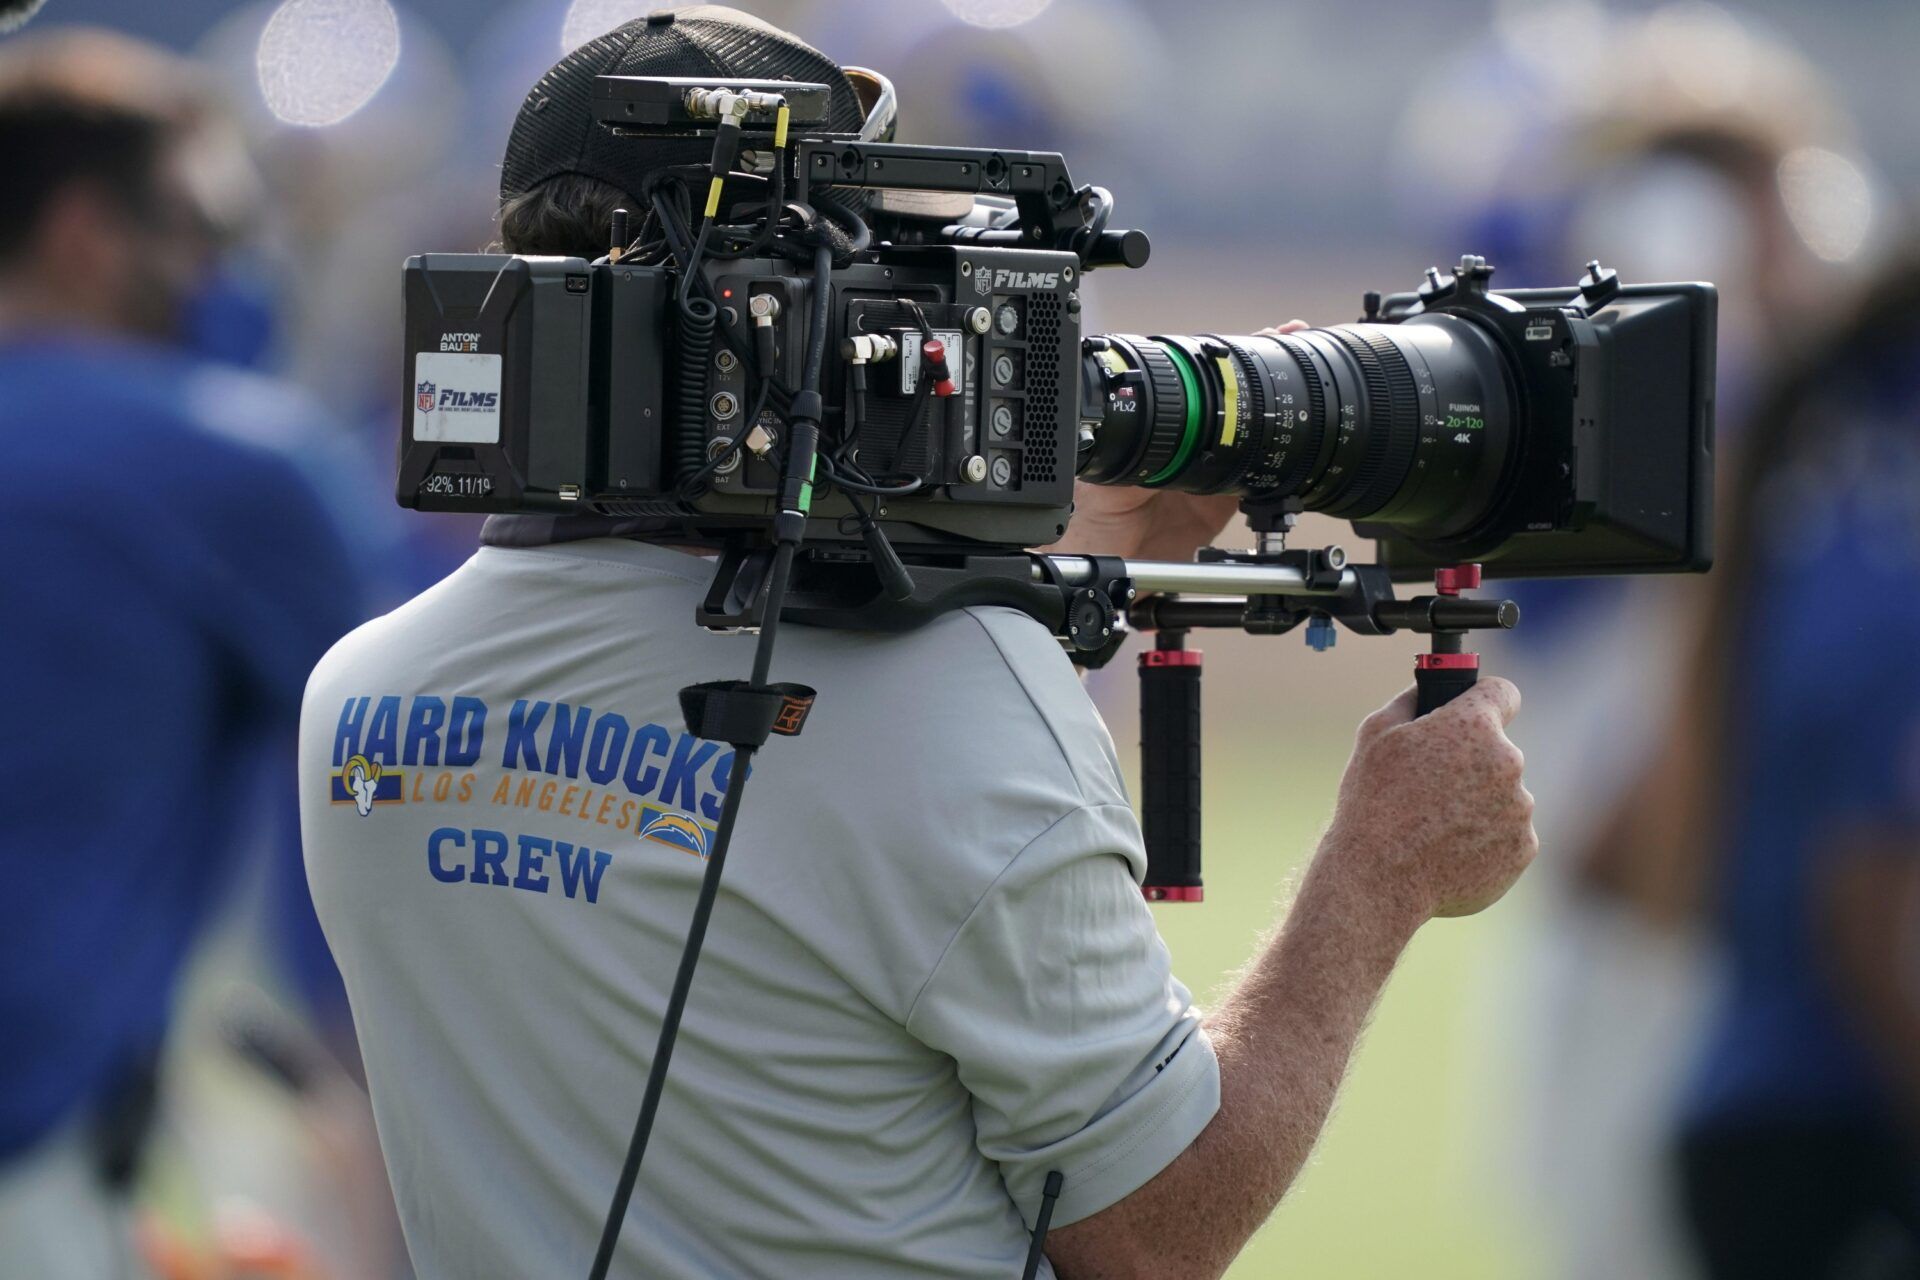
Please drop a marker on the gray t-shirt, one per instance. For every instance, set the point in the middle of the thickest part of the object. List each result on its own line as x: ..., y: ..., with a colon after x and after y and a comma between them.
x: 930, y: 977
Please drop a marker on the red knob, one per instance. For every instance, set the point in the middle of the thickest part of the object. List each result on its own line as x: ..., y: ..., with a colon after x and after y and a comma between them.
x: 1454, y: 579
x: 936, y: 353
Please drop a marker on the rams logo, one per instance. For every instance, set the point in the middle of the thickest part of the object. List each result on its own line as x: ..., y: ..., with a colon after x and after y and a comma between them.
x: 677, y: 830
x: 366, y: 784
x: 425, y: 396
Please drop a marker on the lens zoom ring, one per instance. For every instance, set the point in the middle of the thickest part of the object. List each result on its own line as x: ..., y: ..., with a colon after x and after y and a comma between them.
x: 1394, y: 410
x: 1169, y: 419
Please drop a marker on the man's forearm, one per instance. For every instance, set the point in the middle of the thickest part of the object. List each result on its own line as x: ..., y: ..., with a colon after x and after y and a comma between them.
x: 1283, y: 1037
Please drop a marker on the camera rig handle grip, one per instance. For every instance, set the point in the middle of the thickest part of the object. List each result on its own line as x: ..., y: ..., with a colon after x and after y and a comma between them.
x: 1170, y: 769
x: 1445, y: 671
x: 1439, y: 678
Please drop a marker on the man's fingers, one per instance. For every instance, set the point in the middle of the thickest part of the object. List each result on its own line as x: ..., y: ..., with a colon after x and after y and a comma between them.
x: 1274, y: 331
x: 1490, y: 696
x: 1397, y: 712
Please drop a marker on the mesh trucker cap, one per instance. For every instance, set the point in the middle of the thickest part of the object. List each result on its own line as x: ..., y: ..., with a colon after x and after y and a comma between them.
x: 555, y: 132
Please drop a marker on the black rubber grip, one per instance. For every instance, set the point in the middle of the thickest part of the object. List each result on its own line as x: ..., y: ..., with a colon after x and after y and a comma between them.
x: 1435, y: 687
x: 1170, y: 773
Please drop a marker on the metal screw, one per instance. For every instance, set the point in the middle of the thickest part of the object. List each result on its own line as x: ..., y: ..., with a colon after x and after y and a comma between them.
x: 978, y: 320
x: 974, y: 469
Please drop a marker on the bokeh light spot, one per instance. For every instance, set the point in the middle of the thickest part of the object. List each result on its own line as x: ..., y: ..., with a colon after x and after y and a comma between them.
x: 996, y: 13
x: 590, y: 19
x: 320, y: 61
x: 1828, y: 200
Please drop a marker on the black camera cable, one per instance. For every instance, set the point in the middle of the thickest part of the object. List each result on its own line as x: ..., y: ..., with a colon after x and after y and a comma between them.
x: 743, y: 714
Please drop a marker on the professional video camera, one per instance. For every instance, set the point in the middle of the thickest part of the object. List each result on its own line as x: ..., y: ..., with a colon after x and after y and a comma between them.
x: 856, y: 367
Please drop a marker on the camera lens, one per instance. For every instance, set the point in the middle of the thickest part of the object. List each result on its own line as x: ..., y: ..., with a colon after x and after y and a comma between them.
x: 1408, y: 425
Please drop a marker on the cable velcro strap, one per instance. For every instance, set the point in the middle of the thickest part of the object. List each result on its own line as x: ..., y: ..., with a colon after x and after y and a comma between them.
x: 742, y: 714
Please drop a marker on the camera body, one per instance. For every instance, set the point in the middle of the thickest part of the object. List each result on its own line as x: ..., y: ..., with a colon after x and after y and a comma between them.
x: 593, y: 405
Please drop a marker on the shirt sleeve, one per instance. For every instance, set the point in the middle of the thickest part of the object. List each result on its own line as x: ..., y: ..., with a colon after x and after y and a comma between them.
x: 262, y: 567
x: 1057, y: 1002
x: 1848, y: 681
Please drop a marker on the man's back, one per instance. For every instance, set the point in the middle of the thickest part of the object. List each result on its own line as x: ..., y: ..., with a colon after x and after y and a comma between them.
x: 930, y: 978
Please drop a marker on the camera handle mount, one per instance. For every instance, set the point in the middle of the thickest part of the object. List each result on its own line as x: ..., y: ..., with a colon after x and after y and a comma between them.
x: 1282, y: 590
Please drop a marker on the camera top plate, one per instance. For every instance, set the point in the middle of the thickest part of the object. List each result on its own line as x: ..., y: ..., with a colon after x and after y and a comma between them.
x: 658, y: 104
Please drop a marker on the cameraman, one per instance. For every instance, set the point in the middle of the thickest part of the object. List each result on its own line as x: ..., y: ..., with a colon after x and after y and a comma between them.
x: 931, y: 979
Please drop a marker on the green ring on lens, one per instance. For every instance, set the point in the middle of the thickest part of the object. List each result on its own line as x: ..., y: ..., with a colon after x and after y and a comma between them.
x: 1190, y: 435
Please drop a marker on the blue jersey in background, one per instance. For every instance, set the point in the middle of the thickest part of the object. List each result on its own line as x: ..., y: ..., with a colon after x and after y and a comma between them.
x: 1825, y: 746
x: 172, y: 576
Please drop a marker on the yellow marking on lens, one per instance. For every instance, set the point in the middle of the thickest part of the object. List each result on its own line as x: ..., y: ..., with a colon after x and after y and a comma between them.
x: 713, y: 196
x: 1229, y: 399
x: 780, y: 127
x: 1112, y: 360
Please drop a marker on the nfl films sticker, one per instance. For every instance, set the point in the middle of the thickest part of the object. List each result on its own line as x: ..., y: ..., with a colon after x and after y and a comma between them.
x: 456, y: 397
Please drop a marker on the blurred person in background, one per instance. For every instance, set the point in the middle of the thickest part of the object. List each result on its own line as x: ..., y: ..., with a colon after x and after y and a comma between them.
x: 174, y: 575
x: 1710, y: 151
x: 1784, y: 816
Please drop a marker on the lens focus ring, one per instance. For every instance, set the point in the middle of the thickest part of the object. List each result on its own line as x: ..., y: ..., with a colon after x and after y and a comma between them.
x: 1307, y: 456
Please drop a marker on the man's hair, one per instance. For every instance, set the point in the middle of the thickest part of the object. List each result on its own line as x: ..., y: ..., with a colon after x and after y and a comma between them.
x: 568, y: 215
x: 83, y: 107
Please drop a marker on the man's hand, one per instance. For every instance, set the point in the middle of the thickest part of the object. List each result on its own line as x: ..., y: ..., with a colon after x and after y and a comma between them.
x: 1148, y: 524
x: 1432, y: 815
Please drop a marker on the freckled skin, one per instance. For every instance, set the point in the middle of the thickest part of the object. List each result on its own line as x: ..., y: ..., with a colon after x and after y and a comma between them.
x: 1432, y: 820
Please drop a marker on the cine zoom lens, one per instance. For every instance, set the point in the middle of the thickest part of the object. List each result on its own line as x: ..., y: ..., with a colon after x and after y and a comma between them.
x: 1407, y: 424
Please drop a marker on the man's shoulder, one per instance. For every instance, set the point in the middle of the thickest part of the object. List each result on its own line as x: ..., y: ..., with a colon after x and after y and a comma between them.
x: 985, y: 690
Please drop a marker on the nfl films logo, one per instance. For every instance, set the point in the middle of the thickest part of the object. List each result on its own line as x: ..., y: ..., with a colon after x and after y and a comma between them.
x: 424, y: 396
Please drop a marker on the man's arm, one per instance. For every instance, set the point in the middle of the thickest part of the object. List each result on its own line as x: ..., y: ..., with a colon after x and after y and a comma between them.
x: 1432, y: 821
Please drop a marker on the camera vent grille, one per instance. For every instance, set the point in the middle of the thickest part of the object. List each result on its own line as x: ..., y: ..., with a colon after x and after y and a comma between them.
x: 1040, y: 432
